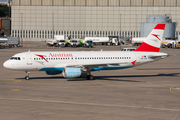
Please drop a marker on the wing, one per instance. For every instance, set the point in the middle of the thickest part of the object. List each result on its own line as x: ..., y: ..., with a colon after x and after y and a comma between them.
x: 90, y: 66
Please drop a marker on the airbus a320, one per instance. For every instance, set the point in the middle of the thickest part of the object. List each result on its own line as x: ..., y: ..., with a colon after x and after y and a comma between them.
x: 73, y: 64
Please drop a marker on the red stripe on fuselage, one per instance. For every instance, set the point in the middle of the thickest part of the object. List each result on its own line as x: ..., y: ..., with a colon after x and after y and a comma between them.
x: 160, y: 26
x: 41, y: 56
x: 147, y: 48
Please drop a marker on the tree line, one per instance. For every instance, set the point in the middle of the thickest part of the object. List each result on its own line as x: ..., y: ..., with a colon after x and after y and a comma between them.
x: 4, y: 11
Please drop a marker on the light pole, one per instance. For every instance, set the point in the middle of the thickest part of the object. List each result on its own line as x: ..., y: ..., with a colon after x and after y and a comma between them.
x: 21, y: 28
x: 120, y: 26
x: 120, y: 31
x: 9, y: 8
x: 53, y: 25
x: 136, y: 35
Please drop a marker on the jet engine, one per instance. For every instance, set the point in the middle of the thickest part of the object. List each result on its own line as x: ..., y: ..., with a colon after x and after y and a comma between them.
x: 53, y: 72
x: 70, y: 72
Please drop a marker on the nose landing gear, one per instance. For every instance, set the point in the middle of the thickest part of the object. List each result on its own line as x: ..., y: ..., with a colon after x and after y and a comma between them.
x: 27, y: 77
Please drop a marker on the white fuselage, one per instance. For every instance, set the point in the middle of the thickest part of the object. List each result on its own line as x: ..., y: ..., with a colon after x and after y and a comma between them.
x: 95, y: 60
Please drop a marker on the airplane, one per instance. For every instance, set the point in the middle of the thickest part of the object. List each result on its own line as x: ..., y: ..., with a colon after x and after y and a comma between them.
x: 73, y: 64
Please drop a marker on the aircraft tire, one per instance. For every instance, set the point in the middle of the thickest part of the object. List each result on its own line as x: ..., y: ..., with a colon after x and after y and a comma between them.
x: 27, y: 78
x: 90, y: 77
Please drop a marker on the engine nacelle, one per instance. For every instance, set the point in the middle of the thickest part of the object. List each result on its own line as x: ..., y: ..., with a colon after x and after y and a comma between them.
x: 53, y: 72
x: 70, y: 72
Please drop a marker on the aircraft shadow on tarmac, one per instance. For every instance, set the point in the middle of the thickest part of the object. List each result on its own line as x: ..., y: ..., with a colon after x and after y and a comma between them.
x: 110, y: 78
x: 158, y: 69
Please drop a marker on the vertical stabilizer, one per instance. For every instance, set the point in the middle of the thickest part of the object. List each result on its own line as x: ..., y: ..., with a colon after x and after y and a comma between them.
x: 153, y: 42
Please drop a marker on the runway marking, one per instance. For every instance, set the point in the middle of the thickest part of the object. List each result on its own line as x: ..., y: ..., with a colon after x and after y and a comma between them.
x: 177, y: 88
x: 92, y: 104
x: 173, y: 91
x: 10, y: 79
x: 15, y: 90
x: 17, y: 80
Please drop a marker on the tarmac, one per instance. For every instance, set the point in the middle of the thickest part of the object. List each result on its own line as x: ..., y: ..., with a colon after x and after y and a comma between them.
x: 147, y: 92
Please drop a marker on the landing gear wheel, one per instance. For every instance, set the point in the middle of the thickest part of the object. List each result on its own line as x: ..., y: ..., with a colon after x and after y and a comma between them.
x: 90, y: 77
x: 27, y: 78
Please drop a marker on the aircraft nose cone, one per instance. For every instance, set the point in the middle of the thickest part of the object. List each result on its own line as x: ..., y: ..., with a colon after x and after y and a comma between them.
x: 7, y: 64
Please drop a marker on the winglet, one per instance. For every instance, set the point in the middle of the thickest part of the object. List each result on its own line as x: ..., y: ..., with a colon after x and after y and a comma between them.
x: 153, y: 41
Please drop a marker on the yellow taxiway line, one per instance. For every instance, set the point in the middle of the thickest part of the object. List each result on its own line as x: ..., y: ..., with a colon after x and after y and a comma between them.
x: 173, y: 91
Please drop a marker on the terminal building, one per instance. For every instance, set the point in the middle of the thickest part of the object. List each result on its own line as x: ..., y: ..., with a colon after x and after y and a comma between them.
x: 38, y: 20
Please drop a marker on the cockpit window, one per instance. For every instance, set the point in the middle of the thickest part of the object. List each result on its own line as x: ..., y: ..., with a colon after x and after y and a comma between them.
x: 15, y: 58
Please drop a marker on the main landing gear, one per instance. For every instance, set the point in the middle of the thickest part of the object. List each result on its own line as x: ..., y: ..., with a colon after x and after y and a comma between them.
x: 27, y: 77
x: 89, y: 76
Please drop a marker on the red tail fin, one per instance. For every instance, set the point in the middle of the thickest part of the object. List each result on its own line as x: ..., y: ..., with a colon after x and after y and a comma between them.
x: 153, y: 41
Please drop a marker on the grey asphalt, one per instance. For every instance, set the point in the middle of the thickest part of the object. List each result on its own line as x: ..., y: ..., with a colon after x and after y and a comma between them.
x: 147, y: 92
